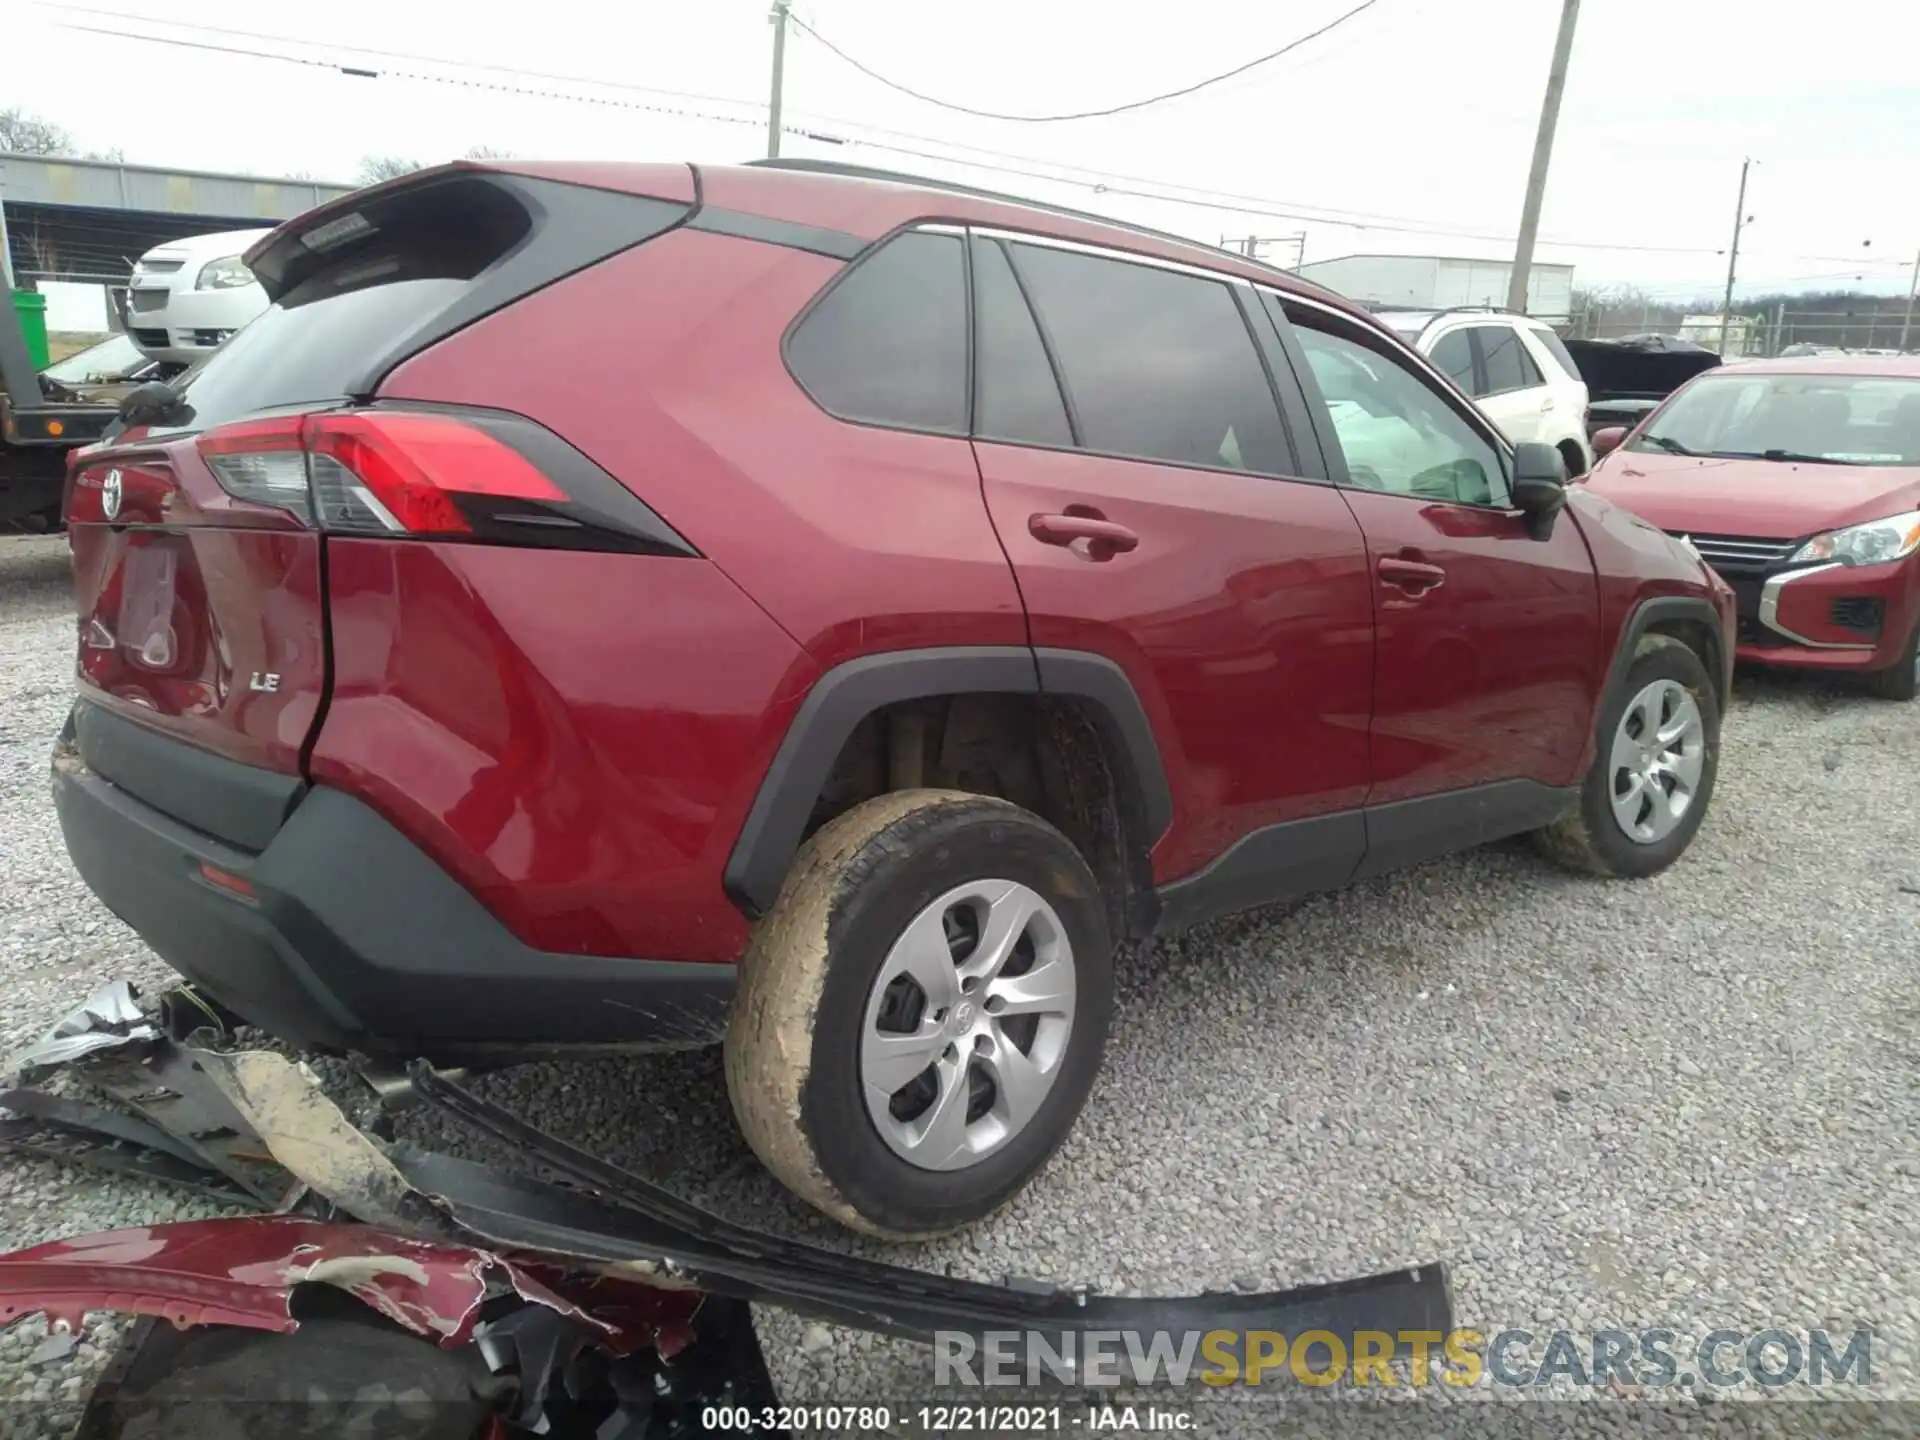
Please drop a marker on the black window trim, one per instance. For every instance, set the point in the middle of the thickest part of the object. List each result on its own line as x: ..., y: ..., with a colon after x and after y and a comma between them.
x: 1392, y: 347
x: 974, y: 238
x: 1482, y: 376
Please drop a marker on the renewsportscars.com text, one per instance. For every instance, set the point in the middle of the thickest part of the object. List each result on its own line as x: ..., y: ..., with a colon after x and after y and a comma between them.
x: 1652, y: 1359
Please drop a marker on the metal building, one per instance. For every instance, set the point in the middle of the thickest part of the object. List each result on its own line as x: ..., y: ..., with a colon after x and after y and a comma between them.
x: 89, y: 220
x: 1434, y: 282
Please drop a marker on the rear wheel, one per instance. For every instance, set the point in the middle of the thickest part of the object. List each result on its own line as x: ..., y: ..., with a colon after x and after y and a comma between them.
x: 1653, y: 770
x: 921, y: 1016
x: 1900, y: 681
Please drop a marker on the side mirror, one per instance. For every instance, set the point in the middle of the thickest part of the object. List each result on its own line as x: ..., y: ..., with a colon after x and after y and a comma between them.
x: 1606, y: 441
x: 1539, y: 486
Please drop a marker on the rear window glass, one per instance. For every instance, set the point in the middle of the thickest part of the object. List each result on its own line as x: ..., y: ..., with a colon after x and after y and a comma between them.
x: 297, y: 352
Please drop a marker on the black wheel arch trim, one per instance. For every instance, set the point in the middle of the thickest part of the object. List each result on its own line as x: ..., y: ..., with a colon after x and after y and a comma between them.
x: 845, y: 695
x: 1656, y: 610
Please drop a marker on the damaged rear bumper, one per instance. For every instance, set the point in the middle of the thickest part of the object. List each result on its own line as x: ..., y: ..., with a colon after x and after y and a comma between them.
x: 330, y: 928
x: 591, y: 1224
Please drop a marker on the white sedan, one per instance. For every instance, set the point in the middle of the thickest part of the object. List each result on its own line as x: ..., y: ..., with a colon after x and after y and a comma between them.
x: 188, y: 295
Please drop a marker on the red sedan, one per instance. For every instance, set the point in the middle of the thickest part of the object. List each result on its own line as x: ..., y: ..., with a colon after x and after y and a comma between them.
x: 1799, y: 481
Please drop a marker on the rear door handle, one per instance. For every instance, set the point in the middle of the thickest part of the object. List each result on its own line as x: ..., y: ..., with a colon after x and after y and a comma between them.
x: 1416, y: 577
x: 1106, y: 538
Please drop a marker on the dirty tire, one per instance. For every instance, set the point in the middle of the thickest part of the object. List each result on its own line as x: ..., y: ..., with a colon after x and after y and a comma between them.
x: 1900, y: 681
x: 1587, y: 838
x: 793, y: 1041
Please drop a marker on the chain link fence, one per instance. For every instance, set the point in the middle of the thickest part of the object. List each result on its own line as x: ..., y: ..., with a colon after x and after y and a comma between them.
x: 1865, y: 328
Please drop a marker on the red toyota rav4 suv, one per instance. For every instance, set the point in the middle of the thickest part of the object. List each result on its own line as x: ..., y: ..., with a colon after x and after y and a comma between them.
x: 609, y: 606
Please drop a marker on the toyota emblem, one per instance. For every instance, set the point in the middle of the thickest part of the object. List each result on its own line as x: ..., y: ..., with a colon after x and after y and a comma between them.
x: 110, y: 494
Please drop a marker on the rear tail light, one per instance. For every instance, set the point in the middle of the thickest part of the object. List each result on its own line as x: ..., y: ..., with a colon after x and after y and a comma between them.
x: 499, y: 479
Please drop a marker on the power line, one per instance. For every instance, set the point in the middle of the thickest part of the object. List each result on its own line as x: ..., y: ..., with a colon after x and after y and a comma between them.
x: 358, y: 72
x: 412, y: 57
x: 1254, y: 205
x: 1122, y: 109
x: 1099, y: 181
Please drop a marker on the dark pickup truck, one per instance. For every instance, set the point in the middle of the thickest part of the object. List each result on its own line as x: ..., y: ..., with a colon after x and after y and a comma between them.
x: 46, y: 413
x: 1627, y: 378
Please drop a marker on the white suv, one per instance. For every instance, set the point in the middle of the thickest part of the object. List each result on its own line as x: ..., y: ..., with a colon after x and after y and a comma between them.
x: 187, y: 296
x: 1513, y: 366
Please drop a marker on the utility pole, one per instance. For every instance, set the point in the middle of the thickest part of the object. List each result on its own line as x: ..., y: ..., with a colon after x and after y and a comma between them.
x: 6, y: 254
x: 1733, y: 254
x: 779, y: 19
x: 1905, y: 325
x: 1542, y: 153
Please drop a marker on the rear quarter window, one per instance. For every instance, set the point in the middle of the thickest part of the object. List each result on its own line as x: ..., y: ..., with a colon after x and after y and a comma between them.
x: 1551, y: 343
x: 887, y: 344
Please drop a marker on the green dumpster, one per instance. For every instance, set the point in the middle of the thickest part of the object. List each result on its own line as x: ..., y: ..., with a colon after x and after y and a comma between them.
x: 32, y: 310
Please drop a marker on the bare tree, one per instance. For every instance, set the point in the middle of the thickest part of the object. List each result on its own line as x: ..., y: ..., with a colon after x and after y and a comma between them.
x: 25, y: 134
x: 375, y: 168
x: 488, y: 152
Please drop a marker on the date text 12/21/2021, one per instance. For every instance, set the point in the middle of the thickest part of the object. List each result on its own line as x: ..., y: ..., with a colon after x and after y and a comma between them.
x: 946, y: 1419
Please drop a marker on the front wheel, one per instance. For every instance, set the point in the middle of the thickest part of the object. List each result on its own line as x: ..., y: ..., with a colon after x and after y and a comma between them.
x: 922, y: 1014
x: 1653, y: 770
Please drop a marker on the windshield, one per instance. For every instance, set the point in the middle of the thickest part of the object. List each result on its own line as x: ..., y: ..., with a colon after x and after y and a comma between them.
x: 1821, y: 419
x: 111, y: 360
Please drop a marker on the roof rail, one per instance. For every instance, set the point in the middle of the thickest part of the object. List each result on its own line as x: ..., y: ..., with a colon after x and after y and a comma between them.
x: 928, y: 182
x: 1436, y: 311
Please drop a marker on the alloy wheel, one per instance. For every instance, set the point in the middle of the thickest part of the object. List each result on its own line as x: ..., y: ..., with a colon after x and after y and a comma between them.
x: 1658, y: 757
x: 967, y: 1024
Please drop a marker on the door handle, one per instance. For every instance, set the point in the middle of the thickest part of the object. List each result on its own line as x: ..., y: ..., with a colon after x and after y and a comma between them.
x: 1106, y: 538
x: 1416, y: 577
x: 1546, y: 405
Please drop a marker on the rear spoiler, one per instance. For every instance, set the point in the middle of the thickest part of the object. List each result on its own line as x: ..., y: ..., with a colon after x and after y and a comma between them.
x: 285, y: 255
x: 509, y: 233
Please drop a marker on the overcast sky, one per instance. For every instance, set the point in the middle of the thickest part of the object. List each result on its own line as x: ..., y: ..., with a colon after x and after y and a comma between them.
x: 1417, y: 115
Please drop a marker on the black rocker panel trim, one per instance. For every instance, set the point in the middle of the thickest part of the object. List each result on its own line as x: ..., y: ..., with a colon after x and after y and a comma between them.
x: 1302, y: 857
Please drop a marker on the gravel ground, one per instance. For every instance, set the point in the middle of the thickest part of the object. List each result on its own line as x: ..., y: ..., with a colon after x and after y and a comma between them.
x: 1691, y: 1102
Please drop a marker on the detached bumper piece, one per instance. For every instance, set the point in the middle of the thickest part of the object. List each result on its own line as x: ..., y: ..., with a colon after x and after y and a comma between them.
x: 579, y: 1299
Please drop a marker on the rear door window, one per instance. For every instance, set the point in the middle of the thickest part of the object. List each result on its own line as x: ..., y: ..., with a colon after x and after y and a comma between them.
x: 1453, y: 355
x: 1157, y: 364
x: 1505, y: 360
x: 887, y: 345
